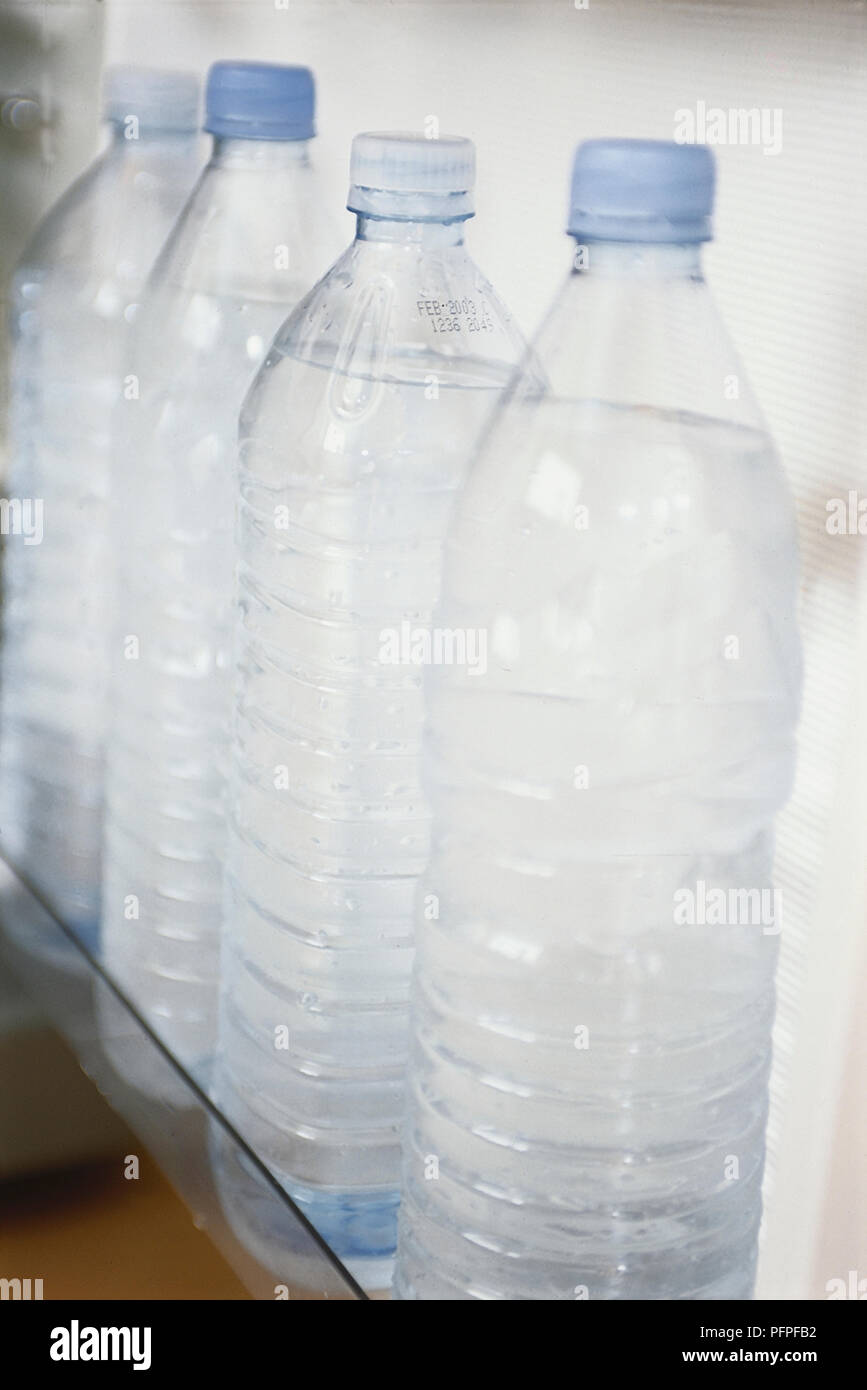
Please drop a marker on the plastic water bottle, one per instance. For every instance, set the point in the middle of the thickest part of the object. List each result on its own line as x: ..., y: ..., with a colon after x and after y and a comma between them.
x: 593, y: 1001
x: 354, y: 441
x: 249, y: 241
x: 74, y: 297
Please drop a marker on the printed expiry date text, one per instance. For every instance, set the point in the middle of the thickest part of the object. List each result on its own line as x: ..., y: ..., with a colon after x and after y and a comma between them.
x: 456, y: 315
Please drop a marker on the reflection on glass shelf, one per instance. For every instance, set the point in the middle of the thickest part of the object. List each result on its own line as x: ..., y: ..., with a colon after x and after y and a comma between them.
x: 269, y: 1244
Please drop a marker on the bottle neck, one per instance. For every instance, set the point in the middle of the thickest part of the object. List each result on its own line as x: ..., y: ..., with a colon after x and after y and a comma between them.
x: 231, y: 153
x: 425, y: 235
x: 638, y: 259
x: 129, y: 135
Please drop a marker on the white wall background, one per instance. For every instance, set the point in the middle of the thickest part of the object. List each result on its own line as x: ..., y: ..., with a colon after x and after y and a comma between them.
x: 527, y: 81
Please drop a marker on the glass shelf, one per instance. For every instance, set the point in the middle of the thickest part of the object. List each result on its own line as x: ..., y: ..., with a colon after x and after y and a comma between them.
x: 270, y: 1245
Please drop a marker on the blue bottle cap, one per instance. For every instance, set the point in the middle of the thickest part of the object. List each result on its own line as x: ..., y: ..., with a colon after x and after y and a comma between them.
x: 159, y: 98
x: 641, y: 190
x: 260, y: 101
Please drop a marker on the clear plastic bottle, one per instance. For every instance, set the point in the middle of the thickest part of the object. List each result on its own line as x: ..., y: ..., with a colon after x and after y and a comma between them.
x: 250, y: 240
x: 74, y: 297
x: 354, y: 440
x: 592, y: 1005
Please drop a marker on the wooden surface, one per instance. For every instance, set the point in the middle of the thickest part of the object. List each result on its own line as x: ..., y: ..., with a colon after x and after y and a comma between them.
x: 90, y: 1233
x: 68, y: 1215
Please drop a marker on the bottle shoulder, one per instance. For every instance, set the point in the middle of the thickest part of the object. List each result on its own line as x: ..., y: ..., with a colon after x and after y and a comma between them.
x: 656, y: 343
x: 245, y: 234
x: 67, y: 227
x: 392, y: 310
x: 105, y: 230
